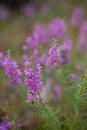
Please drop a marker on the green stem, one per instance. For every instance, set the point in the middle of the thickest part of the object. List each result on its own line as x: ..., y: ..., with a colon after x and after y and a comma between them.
x: 82, y: 87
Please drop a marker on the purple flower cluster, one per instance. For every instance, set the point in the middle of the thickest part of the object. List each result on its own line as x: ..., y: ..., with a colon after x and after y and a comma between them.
x: 77, y: 17
x: 4, y: 13
x: 73, y: 78
x: 27, y: 10
x: 5, y: 125
x: 42, y: 31
x: 42, y: 34
x: 33, y: 41
x: 53, y: 52
x: 61, y: 55
x: 33, y: 81
x: 80, y: 66
x: 12, y: 71
x: 57, y: 29
x: 31, y: 73
x: 56, y: 56
x: 39, y: 59
x: 39, y: 36
x: 66, y: 51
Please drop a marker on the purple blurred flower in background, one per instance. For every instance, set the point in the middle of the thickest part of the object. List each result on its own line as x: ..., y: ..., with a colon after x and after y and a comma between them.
x: 26, y: 60
x: 43, y: 58
x: 57, y: 92
x: 54, y: 92
x: 4, y: 13
x: 48, y: 83
x: 53, y: 56
x: 1, y: 54
x: 73, y: 78
x: 33, y: 41
x: 25, y: 47
x: 1, y: 59
x: 27, y: 10
x: 67, y: 45
x: 80, y: 66
x: 83, y: 36
x: 42, y: 31
x: 2, y: 127
x: 57, y: 29
x: 6, y: 125
x: 77, y: 17
x: 25, y: 56
x: 47, y: 62
x: 44, y: 10
x: 35, y: 53
x: 66, y: 52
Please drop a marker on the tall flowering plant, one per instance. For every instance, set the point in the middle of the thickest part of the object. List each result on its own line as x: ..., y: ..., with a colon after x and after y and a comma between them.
x: 59, y: 116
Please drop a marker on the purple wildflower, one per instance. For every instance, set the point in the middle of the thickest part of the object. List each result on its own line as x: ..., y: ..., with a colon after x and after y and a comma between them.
x: 43, y: 58
x: 66, y: 51
x: 33, y: 81
x: 73, y: 78
x: 24, y: 48
x: 35, y: 54
x: 25, y: 56
x: 26, y: 60
x: 5, y: 125
x: 2, y: 127
x: 1, y: 55
x: 31, y: 97
x: 4, y: 13
x: 57, y: 29
x: 67, y: 45
x: 77, y: 17
x: 48, y: 85
x: 80, y: 66
x: 57, y: 92
x: 9, y: 125
x: 33, y: 41
x: 41, y: 99
x: 47, y: 61
x: 27, y: 10
x: 53, y: 55
x: 42, y: 31
x: 60, y: 55
x: 12, y: 71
